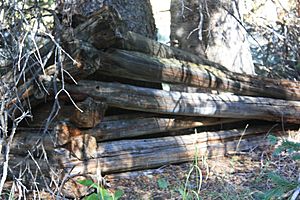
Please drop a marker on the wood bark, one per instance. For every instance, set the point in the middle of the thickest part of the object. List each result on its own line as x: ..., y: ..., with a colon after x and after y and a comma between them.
x: 189, y: 104
x: 91, y: 113
x: 111, y: 128
x: 127, y: 155
x: 91, y: 151
x: 104, y: 29
x: 143, y: 154
x: 130, y: 128
x: 138, y: 66
x: 224, y: 43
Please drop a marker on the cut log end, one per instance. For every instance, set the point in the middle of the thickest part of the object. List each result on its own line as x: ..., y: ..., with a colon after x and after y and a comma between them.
x: 83, y: 147
x: 64, y: 132
x: 91, y: 113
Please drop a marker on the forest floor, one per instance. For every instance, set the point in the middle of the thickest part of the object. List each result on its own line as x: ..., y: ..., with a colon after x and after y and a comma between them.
x: 237, y: 176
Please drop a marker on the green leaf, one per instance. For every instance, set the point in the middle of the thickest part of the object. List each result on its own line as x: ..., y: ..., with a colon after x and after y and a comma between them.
x: 277, y: 192
x: 277, y: 179
x: 162, y: 183
x: 296, y: 157
x: 278, y: 150
x: 86, y: 182
x: 93, y: 196
x: 292, y: 146
x: 272, y: 139
x: 118, y: 194
x: 298, y: 66
x: 281, y: 183
x: 181, y: 191
x: 104, y: 194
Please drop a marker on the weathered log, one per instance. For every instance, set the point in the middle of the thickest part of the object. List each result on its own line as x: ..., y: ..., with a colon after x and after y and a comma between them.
x: 91, y: 113
x: 131, y: 155
x: 127, y: 155
x: 84, y: 147
x: 130, y: 128
x: 104, y: 29
x: 18, y: 83
x: 83, y: 61
x: 111, y: 128
x: 138, y: 66
x: 189, y: 104
x: 135, y: 155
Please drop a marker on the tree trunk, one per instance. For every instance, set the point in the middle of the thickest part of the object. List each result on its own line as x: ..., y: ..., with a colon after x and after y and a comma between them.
x: 136, y: 15
x: 212, y: 28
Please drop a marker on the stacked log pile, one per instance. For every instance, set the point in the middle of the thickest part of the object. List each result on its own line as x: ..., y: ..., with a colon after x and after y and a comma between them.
x: 124, y: 121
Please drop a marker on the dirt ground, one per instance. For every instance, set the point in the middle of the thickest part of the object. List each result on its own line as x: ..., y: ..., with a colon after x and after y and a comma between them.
x: 242, y: 176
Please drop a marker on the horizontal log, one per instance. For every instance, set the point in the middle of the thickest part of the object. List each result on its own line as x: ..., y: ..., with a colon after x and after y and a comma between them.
x: 127, y: 155
x: 107, y: 149
x: 141, y: 154
x: 130, y: 128
x: 83, y: 61
x: 22, y: 78
x: 189, y: 104
x: 138, y: 66
x: 111, y: 128
x: 164, y: 63
x: 105, y: 29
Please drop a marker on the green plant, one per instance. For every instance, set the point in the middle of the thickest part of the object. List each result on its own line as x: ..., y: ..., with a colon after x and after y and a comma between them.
x: 293, y: 148
x: 190, y: 193
x: 282, y: 187
x: 162, y: 183
x: 102, y: 193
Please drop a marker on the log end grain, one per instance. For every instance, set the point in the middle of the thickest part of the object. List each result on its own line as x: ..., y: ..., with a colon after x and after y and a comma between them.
x: 64, y: 132
x: 83, y: 147
x: 91, y: 113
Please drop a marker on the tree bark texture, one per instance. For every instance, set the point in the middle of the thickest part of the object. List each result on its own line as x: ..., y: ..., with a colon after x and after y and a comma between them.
x: 136, y: 15
x: 212, y: 28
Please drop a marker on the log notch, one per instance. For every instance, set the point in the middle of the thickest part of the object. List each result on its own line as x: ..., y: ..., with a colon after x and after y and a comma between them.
x: 91, y: 113
x: 189, y: 104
